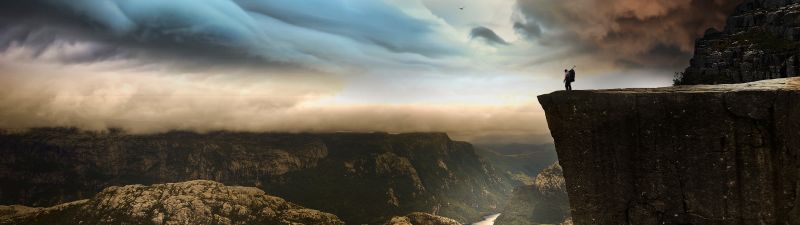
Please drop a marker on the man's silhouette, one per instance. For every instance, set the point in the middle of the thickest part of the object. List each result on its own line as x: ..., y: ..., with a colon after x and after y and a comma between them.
x: 567, y: 80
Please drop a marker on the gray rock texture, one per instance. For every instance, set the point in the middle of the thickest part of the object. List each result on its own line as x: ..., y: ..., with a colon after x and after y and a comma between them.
x: 760, y: 41
x: 194, y: 202
x: 706, y: 154
x: 360, y: 177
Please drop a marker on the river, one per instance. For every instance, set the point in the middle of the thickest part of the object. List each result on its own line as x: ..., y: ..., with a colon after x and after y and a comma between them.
x: 487, y: 220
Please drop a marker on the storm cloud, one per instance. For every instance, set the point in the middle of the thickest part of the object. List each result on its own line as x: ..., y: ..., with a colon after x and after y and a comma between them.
x: 328, y: 36
x: 633, y: 32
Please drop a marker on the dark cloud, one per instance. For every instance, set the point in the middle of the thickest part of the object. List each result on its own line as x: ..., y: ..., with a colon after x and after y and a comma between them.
x: 529, y: 29
x: 367, y: 21
x: 631, y: 32
x: 487, y: 35
x: 660, y: 57
x: 331, y: 34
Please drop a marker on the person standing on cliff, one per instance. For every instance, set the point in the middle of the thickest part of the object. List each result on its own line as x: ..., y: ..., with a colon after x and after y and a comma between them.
x: 569, y: 77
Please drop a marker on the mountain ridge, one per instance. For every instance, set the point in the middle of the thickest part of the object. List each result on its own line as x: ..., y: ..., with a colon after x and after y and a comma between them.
x: 361, y: 177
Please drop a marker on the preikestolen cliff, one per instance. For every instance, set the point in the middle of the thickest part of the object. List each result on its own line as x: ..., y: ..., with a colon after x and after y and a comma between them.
x: 725, y: 152
x: 422, y: 112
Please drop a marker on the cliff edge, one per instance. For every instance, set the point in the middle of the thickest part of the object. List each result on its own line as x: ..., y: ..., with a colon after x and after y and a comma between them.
x: 706, y: 154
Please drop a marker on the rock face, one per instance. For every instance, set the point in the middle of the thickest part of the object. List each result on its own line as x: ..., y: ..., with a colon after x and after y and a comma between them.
x: 544, y: 202
x: 362, y: 178
x: 421, y: 219
x: 761, y: 41
x: 708, y: 154
x: 194, y: 202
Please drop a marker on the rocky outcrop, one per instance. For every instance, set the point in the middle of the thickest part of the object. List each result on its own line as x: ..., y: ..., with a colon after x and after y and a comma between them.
x: 760, y: 41
x: 8, y: 211
x: 708, y: 154
x: 544, y: 202
x: 362, y: 178
x: 194, y: 202
x: 551, y: 181
x: 418, y: 218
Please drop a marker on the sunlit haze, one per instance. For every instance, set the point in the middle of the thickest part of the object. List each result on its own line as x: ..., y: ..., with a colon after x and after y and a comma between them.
x: 331, y: 65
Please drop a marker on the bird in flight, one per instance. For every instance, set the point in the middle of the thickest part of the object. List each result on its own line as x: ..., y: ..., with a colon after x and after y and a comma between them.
x: 462, y: 8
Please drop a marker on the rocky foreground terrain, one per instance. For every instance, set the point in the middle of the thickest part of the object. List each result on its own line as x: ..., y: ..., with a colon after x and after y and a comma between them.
x: 193, y: 202
x: 760, y: 41
x: 706, y: 154
x: 544, y: 202
x: 361, y: 178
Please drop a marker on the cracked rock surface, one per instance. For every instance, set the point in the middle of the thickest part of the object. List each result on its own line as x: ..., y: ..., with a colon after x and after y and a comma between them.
x: 709, y: 154
x: 193, y: 202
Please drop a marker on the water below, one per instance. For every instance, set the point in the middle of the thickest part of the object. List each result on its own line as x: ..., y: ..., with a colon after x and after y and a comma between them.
x: 487, y: 220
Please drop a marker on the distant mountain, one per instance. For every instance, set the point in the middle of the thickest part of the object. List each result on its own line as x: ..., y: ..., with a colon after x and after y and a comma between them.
x: 517, y: 149
x: 520, y: 163
x: 544, y: 202
x: 360, y: 177
x: 193, y: 202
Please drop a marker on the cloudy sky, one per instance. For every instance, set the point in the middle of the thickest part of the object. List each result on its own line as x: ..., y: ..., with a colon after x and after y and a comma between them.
x: 331, y: 65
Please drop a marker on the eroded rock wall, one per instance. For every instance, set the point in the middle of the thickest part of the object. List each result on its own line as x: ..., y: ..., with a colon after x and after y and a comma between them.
x: 724, y: 154
x: 760, y: 41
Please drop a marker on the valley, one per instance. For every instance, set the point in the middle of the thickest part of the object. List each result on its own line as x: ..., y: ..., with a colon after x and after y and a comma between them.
x: 360, y: 177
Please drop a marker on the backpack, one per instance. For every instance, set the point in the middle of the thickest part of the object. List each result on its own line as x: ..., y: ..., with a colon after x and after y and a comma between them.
x: 571, y: 75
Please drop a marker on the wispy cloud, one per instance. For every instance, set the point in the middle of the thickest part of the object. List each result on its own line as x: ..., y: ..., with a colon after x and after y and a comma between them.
x: 487, y: 35
x: 90, y: 97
